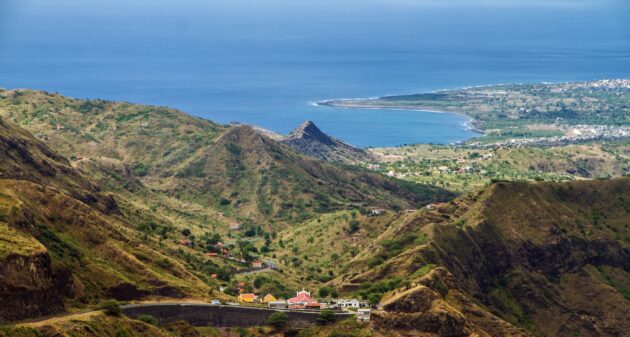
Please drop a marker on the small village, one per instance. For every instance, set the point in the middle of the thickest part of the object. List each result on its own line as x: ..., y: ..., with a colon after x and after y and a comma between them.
x: 247, y: 295
x: 303, y: 300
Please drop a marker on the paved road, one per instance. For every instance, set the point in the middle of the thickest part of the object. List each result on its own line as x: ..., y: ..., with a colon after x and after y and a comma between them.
x: 88, y: 315
x: 204, y: 304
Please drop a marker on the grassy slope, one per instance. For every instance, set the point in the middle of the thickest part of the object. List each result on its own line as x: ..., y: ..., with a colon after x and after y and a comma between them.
x: 536, y: 255
x: 161, y: 186
x: 46, y: 201
x: 184, y: 158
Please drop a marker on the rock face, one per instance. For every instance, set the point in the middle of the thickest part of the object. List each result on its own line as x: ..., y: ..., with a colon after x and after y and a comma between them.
x: 28, y: 287
x: 311, y: 141
x: 434, y: 306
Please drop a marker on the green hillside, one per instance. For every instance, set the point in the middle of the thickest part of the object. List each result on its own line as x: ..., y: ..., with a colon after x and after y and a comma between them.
x: 534, y: 255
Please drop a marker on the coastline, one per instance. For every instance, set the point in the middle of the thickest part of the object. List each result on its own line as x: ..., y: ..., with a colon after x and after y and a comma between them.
x: 471, y: 124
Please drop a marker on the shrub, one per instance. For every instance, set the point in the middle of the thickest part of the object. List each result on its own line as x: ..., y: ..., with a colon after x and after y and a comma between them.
x: 148, y: 319
x: 140, y: 170
x: 374, y: 298
x: 324, y: 291
x: 111, y: 307
x: 375, y: 261
x: 325, y: 317
x: 278, y: 320
x: 165, y: 263
x: 354, y: 226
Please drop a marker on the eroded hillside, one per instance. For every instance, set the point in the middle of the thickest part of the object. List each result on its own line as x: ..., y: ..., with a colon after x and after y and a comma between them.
x: 551, y: 259
x: 65, y: 241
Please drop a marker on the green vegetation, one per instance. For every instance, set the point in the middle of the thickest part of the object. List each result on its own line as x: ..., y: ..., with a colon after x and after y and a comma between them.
x: 148, y: 319
x: 469, y: 168
x: 16, y: 242
x: 326, y: 317
x: 278, y: 320
x: 111, y: 307
x: 183, y: 216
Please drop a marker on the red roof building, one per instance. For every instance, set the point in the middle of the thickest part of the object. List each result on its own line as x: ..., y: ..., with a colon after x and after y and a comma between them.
x: 313, y: 306
x: 302, y: 298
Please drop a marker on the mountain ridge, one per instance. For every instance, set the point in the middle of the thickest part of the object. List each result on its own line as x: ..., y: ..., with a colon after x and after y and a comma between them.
x: 536, y: 255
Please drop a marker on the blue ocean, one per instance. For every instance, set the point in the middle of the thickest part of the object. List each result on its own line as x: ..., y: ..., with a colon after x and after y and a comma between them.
x: 266, y: 62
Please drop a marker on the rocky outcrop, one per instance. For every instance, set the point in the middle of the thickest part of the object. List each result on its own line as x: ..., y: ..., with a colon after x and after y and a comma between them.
x: 435, y: 306
x: 308, y: 139
x: 30, y: 288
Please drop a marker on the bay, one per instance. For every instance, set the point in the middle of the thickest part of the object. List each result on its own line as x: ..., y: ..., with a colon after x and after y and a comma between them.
x: 267, y: 62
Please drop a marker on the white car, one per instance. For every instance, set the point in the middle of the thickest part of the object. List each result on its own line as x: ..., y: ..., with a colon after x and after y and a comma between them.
x: 215, y: 302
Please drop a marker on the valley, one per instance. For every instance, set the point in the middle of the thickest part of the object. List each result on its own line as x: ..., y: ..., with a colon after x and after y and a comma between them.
x: 104, y: 200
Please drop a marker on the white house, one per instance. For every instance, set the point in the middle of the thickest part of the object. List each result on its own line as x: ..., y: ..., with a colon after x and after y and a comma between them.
x: 376, y: 212
x: 348, y: 303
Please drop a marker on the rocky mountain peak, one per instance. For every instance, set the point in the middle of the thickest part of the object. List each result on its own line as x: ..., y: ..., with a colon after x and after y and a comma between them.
x: 308, y: 130
x: 308, y: 139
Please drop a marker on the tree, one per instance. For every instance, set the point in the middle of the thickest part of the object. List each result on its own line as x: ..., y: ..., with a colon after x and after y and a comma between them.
x: 324, y: 291
x: 326, y: 317
x: 374, y: 298
x: 214, y: 239
x: 278, y: 320
x: 259, y: 281
x: 111, y: 307
x: 354, y: 226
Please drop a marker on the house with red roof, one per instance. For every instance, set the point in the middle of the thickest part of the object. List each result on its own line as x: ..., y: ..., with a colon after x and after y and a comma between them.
x: 302, y: 298
x: 247, y: 298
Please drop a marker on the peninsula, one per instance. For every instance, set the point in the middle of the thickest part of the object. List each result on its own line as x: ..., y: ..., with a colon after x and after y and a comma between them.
x: 525, y: 113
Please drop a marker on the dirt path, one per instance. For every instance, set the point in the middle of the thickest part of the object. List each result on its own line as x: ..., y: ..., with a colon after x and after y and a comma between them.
x: 82, y: 316
x: 261, y: 270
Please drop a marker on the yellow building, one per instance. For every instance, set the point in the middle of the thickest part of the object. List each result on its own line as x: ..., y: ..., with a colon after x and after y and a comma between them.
x: 247, y: 298
x: 269, y: 298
